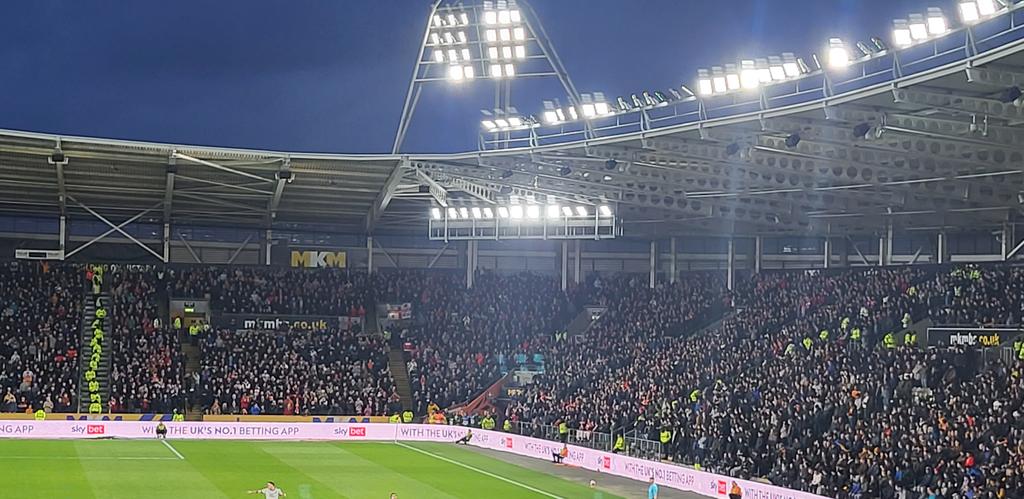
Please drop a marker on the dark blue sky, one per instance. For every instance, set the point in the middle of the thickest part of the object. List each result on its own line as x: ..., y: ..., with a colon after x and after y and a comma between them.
x: 331, y: 75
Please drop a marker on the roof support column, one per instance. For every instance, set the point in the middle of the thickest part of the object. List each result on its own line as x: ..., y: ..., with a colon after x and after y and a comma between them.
x: 268, y: 242
x: 828, y: 252
x: 472, y: 250
x: 673, y: 262
x: 888, y: 244
x: 730, y: 266
x: 167, y: 242
x: 565, y: 264
x: 63, y: 233
x: 578, y: 262
x: 940, y: 248
x: 369, y: 254
x: 654, y: 263
x: 758, y: 251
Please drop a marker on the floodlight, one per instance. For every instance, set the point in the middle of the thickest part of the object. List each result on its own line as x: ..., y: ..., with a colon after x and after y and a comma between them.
x: 502, y: 212
x: 462, y: 36
x: 464, y: 18
x: 793, y: 140
x: 516, y: 211
x: 466, y: 56
x: 437, y: 21
x: 496, y: 70
x: 490, y: 17
x: 519, y: 34
x: 748, y: 74
x: 436, y: 213
x: 607, y: 178
x: 838, y: 57
x: 581, y: 211
x: 488, y: 213
x: 636, y: 101
x: 492, y: 35
x: 623, y: 106
x: 449, y: 38
x: 566, y: 211
x: 605, y: 211
x: 775, y: 68
x: 520, y: 52
x: 510, y: 70
x: 501, y: 122
x: 675, y: 94
x: 572, y: 113
x: 561, y: 115
x: 764, y: 74
x: 492, y: 52
x: 602, y: 108
x: 533, y: 211
x: 732, y: 77
x: 451, y: 20
x: 488, y: 124
x: 918, y: 27
x: 453, y: 55
x: 515, y: 16
x: 476, y: 212
x: 866, y: 49
x: 564, y: 170
x: 468, y: 72
x: 515, y: 121
x: 550, y: 117
x: 988, y: 7
x: 969, y: 12
x: 589, y: 111
x: 504, y: 35
x: 936, y: 22
x: 879, y: 44
x: 686, y: 91
x: 704, y: 85
x: 463, y: 212
x: 789, y: 64
x: 1009, y: 95
x: 552, y: 211
x: 453, y: 213
x: 438, y: 56
x: 506, y: 52
x: 503, y: 17
x: 720, y: 86
x: 435, y: 38
x: 455, y: 73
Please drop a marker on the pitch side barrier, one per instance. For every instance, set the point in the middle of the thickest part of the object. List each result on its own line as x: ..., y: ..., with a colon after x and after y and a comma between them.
x: 668, y: 475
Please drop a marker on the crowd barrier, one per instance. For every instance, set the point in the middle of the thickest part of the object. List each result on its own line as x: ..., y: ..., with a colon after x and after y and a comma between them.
x: 668, y: 475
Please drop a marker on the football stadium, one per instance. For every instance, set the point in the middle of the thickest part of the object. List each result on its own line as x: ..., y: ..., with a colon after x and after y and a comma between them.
x: 246, y: 253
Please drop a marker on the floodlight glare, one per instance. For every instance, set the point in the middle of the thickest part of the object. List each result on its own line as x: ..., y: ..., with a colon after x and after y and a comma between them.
x: 519, y: 34
x: 936, y: 22
x: 602, y: 108
x: 455, y: 73
x: 589, y: 111
x: 918, y: 27
x: 748, y: 75
x: 464, y: 212
x: 969, y: 12
x: 505, y: 35
x: 510, y: 70
x: 515, y: 16
x: 476, y: 212
x: 488, y: 213
x: 552, y: 211
x: 438, y: 56
x: 504, y: 17
x: 732, y: 77
x: 496, y: 70
x: 490, y: 17
x: 775, y: 68
x: 516, y: 211
x: 436, y: 213
x: 901, y: 33
x: 453, y: 213
x: 515, y: 121
x: 533, y: 211
x: 764, y: 74
x: 506, y: 52
x: 488, y: 124
x: 502, y: 212
x: 838, y: 57
x: 437, y: 21
x: 520, y: 52
x: 720, y: 86
x: 987, y: 7
x: 581, y: 211
x: 605, y: 211
x: 704, y: 86
x: 550, y: 117
x: 492, y: 35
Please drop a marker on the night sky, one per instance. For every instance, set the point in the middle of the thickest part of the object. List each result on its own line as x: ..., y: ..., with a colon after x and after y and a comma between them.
x: 330, y: 76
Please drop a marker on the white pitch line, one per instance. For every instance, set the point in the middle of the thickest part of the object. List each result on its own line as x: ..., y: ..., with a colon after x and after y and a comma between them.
x: 77, y: 458
x: 478, y: 470
x: 175, y: 451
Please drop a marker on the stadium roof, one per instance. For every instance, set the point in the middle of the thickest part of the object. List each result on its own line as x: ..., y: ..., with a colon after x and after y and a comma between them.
x: 925, y: 147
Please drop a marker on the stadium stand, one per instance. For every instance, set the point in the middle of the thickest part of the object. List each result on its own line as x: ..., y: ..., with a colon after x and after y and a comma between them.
x: 40, y: 324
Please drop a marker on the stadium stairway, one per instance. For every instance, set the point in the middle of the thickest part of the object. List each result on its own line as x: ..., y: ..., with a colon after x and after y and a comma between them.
x: 193, y: 364
x: 583, y: 320
x: 400, y: 373
x: 103, y: 370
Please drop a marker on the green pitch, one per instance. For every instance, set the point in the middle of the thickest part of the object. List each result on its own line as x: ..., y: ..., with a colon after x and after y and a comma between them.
x: 149, y: 469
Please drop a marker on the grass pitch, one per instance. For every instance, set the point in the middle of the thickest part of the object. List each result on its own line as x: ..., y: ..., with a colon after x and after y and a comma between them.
x: 151, y: 469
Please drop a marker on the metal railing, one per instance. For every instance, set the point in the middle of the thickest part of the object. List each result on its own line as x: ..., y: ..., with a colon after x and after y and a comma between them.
x: 635, y: 446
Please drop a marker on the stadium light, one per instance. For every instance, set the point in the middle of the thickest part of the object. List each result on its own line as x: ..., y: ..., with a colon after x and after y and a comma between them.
x: 901, y: 33
x: 435, y: 213
x: 581, y: 211
x: 516, y: 211
x: 749, y: 78
x: 477, y: 214
x: 704, y: 85
x: 732, y: 77
x: 464, y: 212
x: 775, y: 68
x: 502, y: 212
x: 488, y: 212
x: 937, y: 25
x: 567, y: 211
x: 918, y: 27
x: 972, y: 11
x: 838, y: 56
x: 453, y: 213
x: 605, y: 211
x: 552, y: 211
x: 718, y: 80
x: 533, y: 211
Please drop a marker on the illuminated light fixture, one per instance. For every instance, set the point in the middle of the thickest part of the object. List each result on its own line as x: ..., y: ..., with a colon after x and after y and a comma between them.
x: 551, y: 117
x: 435, y: 39
x: 515, y: 16
x: 605, y: 211
x: 866, y: 49
x: 918, y: 27
x: 686, y: 91
x: 648, y: 99
x: 453, y: 213
x: 449, y: 38
x: 581, y: 211
x: 764, y: 73
x: 552, y: 211
x: 937, y: 25
x: 464, y: 212
x: 490, y: 17
x: 602, y: 108
x: 516, y: 211
x: 636, y: 101
x: 451, y: 20
x: 455, y: 73
x: 838, y: 56
x: 606, y: 178
x: 901, y: 33
x: 533, y: 211
x: 496, y: 70
x: 520, y: 52
x: 748, y: 75
x: 790, y: 65
x: 566, y: 211
x: 572, y: 113
x: 718, y: 80
x: 506, y: 52
x: 488, y: 124
x: 492, y: 52
x: 462, y: 37
x: 466, y: 55
x: 623, y: 105
x: 491, y: 35
x: 437, y: 21
x: 468, y: 72
x: 589, y: 111
x: 464, y: 18
x: 504, y: 17
x: 561, y: 115
x: 501, y: 122
x: 435, y: 213
x: 732, y: 77
x: 453, y: 55
x: 988, y: 7
x: 515, y: 121
x: 704, y: 85
x: 510, y: 70
x: 519, y: 34
x: 502, y: 212
x: 505, y: 35
x: 488, y: 213
x: 775, y: 68
x: 438, y: 56
x: 477, y: 214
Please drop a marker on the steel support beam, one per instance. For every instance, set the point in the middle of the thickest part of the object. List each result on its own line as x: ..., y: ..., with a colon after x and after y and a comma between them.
x: 63, y: 236
x: 730, y: 268
x: 387, y: 255
x: 578, y: 262
x: 239, y: 250
x: 195, y: 256
x: 674, y: 262
x: 387, y: 193
x: 654, y: 263
x: 564, y: 250
x: 959, y: 103
x: 437, y: 256
x: 171, y: 173
x: 213, y: 165
x: 369, y: 254
x: 167, y: 242
x: 268, y: 244
x: 828, y: 252
x: 940, y: 249
x: 758, y: 252
x: 116, y: 228
x: 284, y: 175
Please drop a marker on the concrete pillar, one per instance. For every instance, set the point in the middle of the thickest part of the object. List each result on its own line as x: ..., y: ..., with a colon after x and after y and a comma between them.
x: 730, y: 268
x: 369, y: 254
x: 758, y: 251
x: 673, y: 263
x: 654, y: 262
x: 578, y: 262
x: 565, y: 264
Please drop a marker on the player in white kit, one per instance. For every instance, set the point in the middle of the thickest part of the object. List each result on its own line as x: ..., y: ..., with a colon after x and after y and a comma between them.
x: 270, y: 491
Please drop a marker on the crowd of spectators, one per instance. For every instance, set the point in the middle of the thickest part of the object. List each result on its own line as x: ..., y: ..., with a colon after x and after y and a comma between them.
x: 148, y: 365
x: 294, y: 373
x: 40, y: 331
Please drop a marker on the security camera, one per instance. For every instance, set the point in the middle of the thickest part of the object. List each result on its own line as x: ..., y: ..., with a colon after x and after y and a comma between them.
x: 57, y: 157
